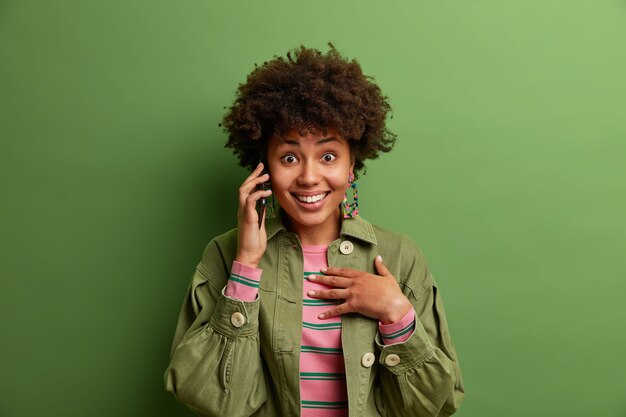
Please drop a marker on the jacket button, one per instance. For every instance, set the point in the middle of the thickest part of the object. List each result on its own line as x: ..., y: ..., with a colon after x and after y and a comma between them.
x: 392, y: 360
x: 237, y: 319
x: 346, y: 247
x: 368, y: 359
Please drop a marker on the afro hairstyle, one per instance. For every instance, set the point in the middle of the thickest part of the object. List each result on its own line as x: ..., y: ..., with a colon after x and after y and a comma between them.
x: 308, y: 91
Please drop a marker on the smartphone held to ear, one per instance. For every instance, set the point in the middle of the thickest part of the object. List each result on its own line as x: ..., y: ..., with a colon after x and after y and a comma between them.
x: 261, y: 204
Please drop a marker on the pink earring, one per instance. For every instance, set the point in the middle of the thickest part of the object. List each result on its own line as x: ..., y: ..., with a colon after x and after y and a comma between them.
x: 350, y: 210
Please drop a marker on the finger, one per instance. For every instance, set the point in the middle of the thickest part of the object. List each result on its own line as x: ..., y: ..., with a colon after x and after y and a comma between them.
x: 332, y: 294
x: 257, y: 195
x: 337, y: 311
x: 247, y: 189
x: 251, y: 202
x: 257, y: 176
x: 249, y: 185
x: 380, y: 266
x: 247, y: 203
x: 342, y: 272
x: 332, y: 280
x: 255, y: 172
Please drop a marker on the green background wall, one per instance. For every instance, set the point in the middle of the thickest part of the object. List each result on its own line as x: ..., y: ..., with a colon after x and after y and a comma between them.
x: 509, y: 172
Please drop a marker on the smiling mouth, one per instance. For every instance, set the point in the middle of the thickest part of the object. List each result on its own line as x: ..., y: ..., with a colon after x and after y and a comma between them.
x: 310, y: 199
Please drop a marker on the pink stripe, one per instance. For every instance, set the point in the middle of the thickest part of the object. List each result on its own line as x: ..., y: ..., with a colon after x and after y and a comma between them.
x: 314, y: 362
x: 329, y: 390
x: 310, y: 412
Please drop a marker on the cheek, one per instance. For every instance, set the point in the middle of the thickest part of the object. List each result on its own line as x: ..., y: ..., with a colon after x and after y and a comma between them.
x: 278, y: 185
x: 277, y: 177
x: 343, y: 189
x: 340, y: 181
x: 279, y: 193
x: 342, y: 175
x: 280, y: 182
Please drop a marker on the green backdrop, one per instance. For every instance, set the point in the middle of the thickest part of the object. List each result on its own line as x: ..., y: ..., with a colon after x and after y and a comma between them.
x: 509, y: 172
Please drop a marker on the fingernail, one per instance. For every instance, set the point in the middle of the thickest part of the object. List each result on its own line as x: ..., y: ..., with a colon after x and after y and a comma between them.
x: 321, y: 316
x: 380, y: 258
x: 312, y: 277
x: 311, y: 293
x: 323, y: 270
x: 259, y: 164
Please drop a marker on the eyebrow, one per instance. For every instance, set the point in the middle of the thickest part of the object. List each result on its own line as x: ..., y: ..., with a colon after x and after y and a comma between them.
x: 319, y: 142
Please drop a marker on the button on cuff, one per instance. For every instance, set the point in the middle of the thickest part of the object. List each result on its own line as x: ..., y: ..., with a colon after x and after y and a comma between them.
x: 392, y: 360
x: 237, y: 319
x: 411, y: 353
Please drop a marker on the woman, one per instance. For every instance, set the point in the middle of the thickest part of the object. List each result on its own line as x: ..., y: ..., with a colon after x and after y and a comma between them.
x: 314, y: 311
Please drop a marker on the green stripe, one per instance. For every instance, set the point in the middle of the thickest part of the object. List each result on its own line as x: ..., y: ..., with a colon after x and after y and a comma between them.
x: 324, y: 404
x: 325, y: 407
x: 308, y: 274
x: 321, y: 350
x: 321, y: 376
x: 336, y: 407
x: 325, y: 326
x: 399, y: 332
x: 244, y: 278
x: 318, y: 303
x: 254, y: 281
x: 244, y: 282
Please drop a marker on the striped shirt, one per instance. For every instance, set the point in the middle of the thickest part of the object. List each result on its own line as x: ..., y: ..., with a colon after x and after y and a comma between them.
x: 323, y: 389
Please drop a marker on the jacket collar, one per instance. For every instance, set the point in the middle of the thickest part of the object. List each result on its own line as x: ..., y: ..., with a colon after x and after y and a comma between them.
x: 356, y: 227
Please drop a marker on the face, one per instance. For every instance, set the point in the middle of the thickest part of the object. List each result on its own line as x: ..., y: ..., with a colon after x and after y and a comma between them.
x: 309, y: 176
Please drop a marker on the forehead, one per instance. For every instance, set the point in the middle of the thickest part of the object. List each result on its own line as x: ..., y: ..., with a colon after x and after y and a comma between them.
x: 299, y: 138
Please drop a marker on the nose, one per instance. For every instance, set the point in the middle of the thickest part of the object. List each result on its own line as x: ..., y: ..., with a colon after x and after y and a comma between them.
x: 309, y: 174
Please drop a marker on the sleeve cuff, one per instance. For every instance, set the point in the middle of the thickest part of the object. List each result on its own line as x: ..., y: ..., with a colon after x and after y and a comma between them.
x: 235, y: 318
x: 243, y: 282
x: 399, y: 331
x: 412, y: 353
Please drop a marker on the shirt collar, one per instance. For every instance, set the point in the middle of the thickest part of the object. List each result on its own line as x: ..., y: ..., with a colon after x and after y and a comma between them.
x: 356, y: 227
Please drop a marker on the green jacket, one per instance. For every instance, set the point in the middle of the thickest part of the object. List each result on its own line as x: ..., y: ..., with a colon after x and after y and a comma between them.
x: 224, y: 366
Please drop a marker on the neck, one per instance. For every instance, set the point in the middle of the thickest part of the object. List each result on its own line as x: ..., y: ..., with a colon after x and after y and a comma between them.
x: 319, y: 234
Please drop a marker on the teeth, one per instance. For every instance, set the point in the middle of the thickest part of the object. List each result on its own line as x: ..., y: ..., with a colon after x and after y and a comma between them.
x: 311, y: 199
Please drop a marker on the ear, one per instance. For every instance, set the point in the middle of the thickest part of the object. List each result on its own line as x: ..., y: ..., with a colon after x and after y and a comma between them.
x: 352, y: 160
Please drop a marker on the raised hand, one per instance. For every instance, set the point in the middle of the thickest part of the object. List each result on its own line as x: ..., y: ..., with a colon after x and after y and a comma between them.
x: 251, y: 239
x: 375, y: 296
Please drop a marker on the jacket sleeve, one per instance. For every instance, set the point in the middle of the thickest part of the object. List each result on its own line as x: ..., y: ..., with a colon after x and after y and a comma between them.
x: 421, y: 376
x: 215, y: 364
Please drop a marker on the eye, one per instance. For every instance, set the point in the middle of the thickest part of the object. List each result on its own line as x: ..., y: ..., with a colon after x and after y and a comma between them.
x: 289, y: 159
x: 329, y: 157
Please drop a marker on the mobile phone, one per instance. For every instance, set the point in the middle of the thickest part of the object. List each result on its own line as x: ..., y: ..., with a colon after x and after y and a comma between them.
x: 261, y: 204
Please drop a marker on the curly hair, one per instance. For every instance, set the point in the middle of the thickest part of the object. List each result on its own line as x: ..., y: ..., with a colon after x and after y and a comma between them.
x: 308, y: 91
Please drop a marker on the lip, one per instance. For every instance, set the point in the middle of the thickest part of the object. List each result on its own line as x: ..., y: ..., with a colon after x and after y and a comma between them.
x: 310, y: 206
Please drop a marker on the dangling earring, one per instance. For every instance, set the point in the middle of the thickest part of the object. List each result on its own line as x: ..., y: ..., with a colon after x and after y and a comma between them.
x: 350, y: 210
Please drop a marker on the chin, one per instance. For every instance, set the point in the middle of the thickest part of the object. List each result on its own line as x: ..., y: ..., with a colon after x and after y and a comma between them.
x: 311, y: 219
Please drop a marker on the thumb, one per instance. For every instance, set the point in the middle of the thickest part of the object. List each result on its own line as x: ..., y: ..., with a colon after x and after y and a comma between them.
x: 380, y: 266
